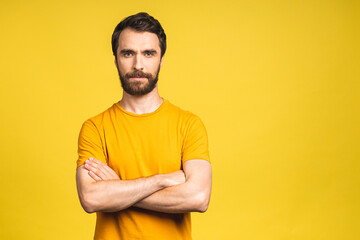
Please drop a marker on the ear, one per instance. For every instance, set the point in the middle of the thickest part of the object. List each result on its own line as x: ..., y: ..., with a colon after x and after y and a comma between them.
x: 161, y: 61
x: 115, y: 63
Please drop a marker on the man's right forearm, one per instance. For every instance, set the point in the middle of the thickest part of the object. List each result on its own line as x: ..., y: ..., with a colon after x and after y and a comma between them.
x: 115, y: 195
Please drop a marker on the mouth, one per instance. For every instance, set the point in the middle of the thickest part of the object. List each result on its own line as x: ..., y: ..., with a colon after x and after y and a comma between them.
x: 138, y: 78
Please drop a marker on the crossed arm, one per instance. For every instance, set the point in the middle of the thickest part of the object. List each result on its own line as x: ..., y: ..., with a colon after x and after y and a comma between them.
x: 101, y: 189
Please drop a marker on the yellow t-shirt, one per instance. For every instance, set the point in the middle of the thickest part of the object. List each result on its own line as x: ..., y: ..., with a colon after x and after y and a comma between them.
x: 141, y: 145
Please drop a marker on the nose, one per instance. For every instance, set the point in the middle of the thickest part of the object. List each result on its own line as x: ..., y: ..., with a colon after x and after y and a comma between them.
x: 138, y: 63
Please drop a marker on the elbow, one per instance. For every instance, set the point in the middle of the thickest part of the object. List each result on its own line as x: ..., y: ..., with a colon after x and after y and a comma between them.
x: 202, y: 202
x: 88, y: 208
x: 203, y: 207
x: 88, y: 204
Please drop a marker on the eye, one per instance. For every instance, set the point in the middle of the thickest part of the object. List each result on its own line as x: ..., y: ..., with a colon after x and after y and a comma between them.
x: 149, y: 53
x: 127, y: 54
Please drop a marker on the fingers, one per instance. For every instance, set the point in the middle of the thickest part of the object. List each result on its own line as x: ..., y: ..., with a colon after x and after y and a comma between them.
x: 109, y: 172
x: 94, y: 167
x: 94, y: 176
x: 98, y: 170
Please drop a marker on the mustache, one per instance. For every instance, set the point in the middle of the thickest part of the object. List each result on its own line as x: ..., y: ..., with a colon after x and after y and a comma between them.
x: 138, y: 74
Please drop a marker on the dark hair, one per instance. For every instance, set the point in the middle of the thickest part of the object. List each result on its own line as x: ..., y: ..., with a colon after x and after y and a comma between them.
x: 141, y: 22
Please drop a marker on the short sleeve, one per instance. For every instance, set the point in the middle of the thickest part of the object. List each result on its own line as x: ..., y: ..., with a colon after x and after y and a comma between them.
x: 89, y: 143
x: 195, y: 144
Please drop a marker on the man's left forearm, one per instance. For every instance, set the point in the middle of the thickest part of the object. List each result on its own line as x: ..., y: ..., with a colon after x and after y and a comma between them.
x: 176, y: 199
x: 191, y: 196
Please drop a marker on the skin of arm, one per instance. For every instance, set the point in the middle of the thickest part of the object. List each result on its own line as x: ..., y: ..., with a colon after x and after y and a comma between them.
x: 101, y: 190
x: 193, y: 195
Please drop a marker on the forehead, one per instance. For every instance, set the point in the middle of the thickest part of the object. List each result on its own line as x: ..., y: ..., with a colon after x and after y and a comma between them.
x: 130, y: 39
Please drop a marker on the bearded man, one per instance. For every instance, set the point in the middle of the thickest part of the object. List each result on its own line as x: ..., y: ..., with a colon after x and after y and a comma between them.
x: 143, y: 163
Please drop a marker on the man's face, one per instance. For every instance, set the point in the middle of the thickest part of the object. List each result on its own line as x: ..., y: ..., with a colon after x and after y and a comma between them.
x: 138, y: 61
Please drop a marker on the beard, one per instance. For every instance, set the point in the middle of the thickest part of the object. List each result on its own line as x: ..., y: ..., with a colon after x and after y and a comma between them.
x: 138, y: 88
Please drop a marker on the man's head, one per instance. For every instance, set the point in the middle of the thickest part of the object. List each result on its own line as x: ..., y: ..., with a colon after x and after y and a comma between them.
x: 140, y: 22
x: 138, y: 43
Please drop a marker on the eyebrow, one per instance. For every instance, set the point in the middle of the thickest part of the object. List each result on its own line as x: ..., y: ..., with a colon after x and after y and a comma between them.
x: 152, y: 51
x: 127, y: 51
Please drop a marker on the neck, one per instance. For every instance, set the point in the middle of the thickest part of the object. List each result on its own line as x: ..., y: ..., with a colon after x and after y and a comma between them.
x: 141, y: 104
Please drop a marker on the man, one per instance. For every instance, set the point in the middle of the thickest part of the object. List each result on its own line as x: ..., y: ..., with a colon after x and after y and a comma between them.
x: 143, y: 163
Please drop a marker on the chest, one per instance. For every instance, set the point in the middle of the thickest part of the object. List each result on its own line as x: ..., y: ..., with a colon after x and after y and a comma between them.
x: 143, y: 148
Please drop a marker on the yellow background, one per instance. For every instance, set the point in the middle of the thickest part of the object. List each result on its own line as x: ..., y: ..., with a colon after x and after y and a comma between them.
x: 275, y: 82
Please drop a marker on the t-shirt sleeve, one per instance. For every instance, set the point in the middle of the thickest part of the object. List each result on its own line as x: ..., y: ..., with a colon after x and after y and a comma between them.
x: 89, y: 143
x: 196, y: 141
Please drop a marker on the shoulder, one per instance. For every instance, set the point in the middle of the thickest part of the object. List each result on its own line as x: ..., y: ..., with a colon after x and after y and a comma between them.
x: 187, y: 120
x: 181, y: 113
x: 99, y: 119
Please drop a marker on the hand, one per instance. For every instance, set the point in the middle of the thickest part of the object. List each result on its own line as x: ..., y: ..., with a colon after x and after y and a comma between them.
x: 99, y: 171
x: 174, y: 178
